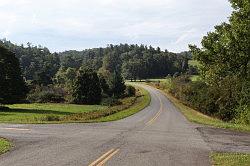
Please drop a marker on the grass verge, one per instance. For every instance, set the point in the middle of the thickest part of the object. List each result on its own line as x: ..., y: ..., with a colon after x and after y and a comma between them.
x: 142, y: 102
x: 197, y: 117
x: 230, y: 159
x: 4, y: 145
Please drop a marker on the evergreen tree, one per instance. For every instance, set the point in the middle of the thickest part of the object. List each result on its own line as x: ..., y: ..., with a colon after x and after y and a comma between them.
x: 104, y: 86
x: 117, y: 85
x: 12, y: 86
x: 86, y: 88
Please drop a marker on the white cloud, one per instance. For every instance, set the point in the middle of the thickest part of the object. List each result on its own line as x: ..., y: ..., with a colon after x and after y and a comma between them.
x: 70, y: 24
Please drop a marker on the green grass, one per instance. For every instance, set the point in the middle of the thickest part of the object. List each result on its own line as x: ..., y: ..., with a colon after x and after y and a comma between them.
x: 230, y: 159
x: 67, y: 113
x: 4, y: 145
x: 38, y: 113
x: 140, y: 104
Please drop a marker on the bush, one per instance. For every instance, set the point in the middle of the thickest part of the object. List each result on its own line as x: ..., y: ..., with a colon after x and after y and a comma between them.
x: 46, y: 95
x: 51, y: 118
x: 243, y: 115
x: 220, y: 100
x: 110, y: 101
x: 130, y: 91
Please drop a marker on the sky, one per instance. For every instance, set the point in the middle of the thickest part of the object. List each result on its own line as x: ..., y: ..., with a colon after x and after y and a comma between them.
x: 79, y: 24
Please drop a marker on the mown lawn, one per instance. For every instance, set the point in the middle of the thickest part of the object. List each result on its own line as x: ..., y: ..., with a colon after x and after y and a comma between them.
x: 230, y: 159
x: 40, y: 113
x: 4, y: 145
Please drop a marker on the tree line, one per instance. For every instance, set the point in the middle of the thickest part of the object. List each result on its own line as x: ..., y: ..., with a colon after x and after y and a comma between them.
x: 133, y: 61
x: 87, y: 76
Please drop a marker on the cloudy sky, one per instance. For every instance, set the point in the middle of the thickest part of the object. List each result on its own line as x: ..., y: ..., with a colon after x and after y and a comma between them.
x: 79, y: 24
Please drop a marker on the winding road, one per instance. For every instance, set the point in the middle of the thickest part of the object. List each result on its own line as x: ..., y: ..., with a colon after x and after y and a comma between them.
x: 157, y: 135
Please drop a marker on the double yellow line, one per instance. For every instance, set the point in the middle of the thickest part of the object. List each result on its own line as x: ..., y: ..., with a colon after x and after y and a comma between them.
x: 108, y: 155
x: 157, y: 114
x: 104, y: 158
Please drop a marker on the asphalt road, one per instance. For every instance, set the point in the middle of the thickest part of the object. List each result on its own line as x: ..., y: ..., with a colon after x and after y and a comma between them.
x: 158, y: 135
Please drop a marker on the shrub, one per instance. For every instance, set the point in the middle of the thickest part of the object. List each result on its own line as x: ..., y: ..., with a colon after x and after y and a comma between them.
x: 46, y: 95
x: 110, y: 101
x: 222, y: 100
x: 51, y: 118
x: 130, y: 91
x: 242, y: 115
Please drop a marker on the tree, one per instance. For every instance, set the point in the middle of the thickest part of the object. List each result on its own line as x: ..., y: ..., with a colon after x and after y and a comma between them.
x: 12, y: 85
x: 111, y: 61
x: 65, y: 77
x: 86, y: 88
x: 225, y: 61
x: 226, y: 50
x: 117, y: 85
x: 127, y: 70
x: 104, y: 86
x: 42, y: 78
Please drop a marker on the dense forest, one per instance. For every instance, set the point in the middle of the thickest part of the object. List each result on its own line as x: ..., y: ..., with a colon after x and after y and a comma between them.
x: 133, y: 61
x: 92, y: 75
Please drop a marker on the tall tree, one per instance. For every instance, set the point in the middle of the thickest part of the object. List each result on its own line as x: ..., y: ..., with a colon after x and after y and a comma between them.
x: 117, y: 85
x: 12, y: 85
x: 86, y: 88
x: 226, y: 50
x: 225, y: 61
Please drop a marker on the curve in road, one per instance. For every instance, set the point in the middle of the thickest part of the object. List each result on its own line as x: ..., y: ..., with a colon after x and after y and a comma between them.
x: 157, y: 135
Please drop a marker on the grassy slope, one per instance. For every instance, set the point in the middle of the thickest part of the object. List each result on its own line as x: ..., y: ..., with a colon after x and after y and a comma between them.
x: 4, y: 145
x: 230, y: 159
x: 140, y: 104
x: 33, y: 113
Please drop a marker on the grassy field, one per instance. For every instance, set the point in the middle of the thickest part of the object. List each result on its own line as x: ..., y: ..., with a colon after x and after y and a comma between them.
x: 61, y: 113
x: 230, y: 159
x: 41, y: 113
x: 4, y: 145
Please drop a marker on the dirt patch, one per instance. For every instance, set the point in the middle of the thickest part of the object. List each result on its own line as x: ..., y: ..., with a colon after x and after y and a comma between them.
x: 222, y: 140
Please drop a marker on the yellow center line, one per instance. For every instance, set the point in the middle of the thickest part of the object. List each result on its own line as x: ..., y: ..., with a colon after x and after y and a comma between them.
x: 157, y: 114
x: 104, y: 158
x: 15, y: 129
x: 107, y: 158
